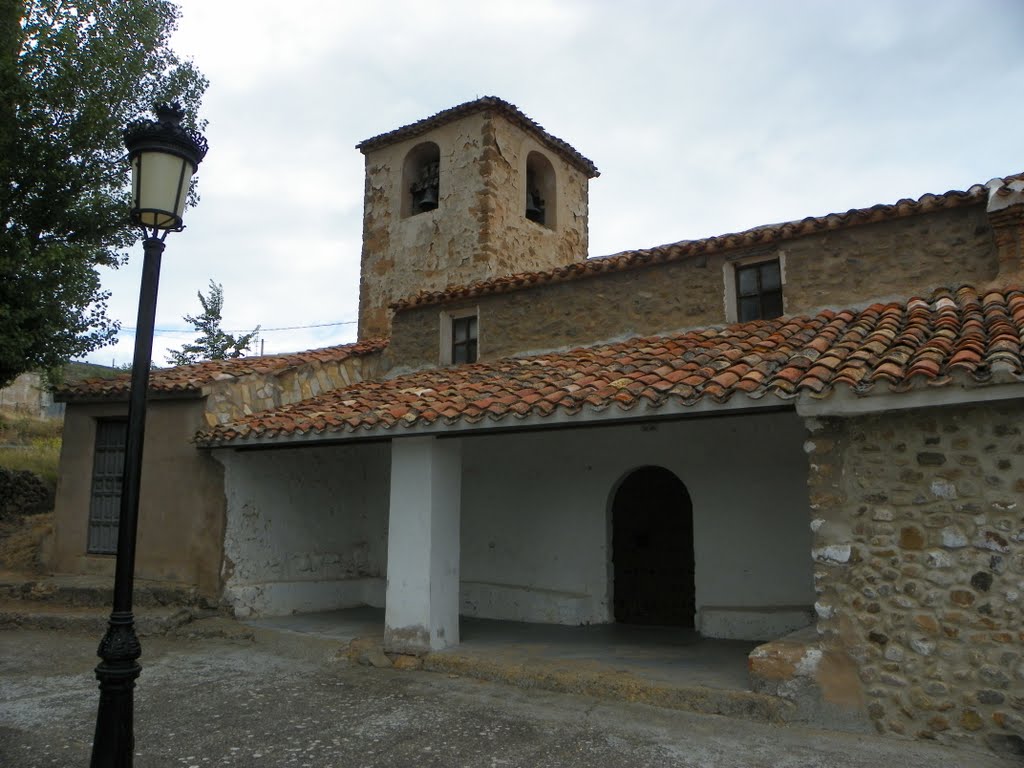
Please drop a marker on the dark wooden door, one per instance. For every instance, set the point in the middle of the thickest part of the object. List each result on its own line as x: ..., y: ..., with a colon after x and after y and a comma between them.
x: 652, y: 550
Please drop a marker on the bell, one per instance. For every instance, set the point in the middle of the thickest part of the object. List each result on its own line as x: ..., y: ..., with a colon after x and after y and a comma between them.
x: 534, y: 208
x: 428, y: 199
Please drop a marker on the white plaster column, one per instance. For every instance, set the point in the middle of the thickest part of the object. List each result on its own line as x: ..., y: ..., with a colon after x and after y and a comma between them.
x: 422, y: 607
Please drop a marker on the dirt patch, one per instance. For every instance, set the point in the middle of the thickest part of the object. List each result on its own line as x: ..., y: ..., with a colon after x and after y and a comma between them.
x: 22, y: 543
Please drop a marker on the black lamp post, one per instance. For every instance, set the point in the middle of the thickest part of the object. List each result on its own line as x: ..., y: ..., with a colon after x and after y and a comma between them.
x: 163, y: 156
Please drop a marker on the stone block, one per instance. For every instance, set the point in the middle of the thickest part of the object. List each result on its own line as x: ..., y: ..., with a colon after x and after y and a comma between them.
x: 962, y: 598
x: 953, y: 538
x: 970, y: 720
x: 912, y: 537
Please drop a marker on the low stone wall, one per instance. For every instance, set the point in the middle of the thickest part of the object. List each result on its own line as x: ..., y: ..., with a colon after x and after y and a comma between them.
x: 23, y: 493
x: 919, y: 566
x: 231, y: 398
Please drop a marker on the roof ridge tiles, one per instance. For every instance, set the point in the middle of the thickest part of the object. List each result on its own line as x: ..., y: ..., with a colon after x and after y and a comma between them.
x: 632, y: 259
x: 484, y: 103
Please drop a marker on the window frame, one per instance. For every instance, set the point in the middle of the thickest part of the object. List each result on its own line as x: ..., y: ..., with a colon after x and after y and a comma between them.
x: 449, y: 321
x: 732, y: 269
x: 106, y: 485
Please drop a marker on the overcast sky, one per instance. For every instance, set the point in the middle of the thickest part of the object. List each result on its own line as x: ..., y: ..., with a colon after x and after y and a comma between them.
x: 703, y: 118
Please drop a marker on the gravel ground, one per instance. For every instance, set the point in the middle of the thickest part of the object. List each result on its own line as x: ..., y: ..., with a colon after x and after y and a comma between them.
x: 284, y: 701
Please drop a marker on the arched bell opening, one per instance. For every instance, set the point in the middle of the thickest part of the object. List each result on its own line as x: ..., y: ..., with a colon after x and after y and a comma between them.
x: 421, y: 179
x: 541, y: 190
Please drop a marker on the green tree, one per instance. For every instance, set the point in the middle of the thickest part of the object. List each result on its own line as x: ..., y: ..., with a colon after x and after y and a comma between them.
x: 212, y: 343
x: 72, y: 75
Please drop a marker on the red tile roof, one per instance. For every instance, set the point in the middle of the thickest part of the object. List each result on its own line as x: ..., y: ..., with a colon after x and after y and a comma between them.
x: 685, y: 249
x: 192, y: 378
x: 494, y: 104
x: 898, y: 346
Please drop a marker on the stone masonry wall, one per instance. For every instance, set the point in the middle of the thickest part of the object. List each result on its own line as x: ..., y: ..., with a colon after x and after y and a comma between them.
x: 839, y: 268
x: 892, y: 258
x: 573, y: 313
x: 919, y: 566
x: 231, y: 398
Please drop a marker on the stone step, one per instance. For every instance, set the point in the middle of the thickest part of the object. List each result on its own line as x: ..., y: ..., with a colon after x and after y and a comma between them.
x: 96, y: 592
x: 572, y: 676
x: 615, y: 685
x: 23, y: 614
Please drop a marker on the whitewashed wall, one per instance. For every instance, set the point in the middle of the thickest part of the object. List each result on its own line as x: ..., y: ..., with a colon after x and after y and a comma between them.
x: 306, y: 528
x: 536, y: 520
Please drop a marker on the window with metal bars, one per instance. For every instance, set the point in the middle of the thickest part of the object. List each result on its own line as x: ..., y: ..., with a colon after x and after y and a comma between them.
x: 107, y: 470
x: 464, y: 339
x: 758, y: 291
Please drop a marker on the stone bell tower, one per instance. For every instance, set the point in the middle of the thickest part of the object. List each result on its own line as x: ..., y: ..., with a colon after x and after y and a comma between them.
x: 474, y: 192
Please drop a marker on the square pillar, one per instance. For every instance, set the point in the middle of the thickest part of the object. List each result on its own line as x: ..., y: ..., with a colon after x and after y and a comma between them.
x: 422, y: 608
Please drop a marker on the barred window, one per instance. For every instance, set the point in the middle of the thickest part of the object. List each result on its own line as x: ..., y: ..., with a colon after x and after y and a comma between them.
x: 107, y: 471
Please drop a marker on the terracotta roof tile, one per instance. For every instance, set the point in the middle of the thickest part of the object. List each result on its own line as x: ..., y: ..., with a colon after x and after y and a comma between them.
x: 686, y: 249
x: 493, y: 103
x: 893, y: 345
x: 192, y: 378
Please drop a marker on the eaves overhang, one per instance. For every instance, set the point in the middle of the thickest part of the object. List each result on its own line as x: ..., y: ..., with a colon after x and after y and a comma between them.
x: 121, y: 396
x: 559, y: 419
x: 843, y: 402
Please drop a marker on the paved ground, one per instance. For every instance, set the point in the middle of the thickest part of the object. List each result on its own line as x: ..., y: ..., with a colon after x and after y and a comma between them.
x: 668, y: 655
x: 285, y: 700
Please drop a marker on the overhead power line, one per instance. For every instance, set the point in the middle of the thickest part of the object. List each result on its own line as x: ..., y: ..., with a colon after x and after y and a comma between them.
x: 190, y: 331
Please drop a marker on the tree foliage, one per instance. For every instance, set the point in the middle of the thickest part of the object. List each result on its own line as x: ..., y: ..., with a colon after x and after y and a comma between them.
x: 72, y: 75
x: 212, y: 343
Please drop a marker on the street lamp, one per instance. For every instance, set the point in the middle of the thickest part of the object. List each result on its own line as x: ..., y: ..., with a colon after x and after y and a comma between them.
x: 164, y: 155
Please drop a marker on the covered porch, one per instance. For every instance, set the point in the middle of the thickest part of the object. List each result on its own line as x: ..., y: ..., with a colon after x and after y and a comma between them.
x: 554, y: 526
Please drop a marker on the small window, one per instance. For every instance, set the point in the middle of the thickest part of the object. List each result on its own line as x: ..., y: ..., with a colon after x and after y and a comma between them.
x: 107, y: 470
x: 460, y: 336
x: 758, y: 291
x: 540, y: 190
x: 464, y: 339
x: 421, y: 177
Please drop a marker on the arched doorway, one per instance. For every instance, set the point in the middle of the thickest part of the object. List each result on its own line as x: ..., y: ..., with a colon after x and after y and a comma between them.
x: 652, y: 550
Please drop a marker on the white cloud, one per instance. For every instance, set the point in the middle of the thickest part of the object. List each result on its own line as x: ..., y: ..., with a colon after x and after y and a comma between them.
x: 704, y: 117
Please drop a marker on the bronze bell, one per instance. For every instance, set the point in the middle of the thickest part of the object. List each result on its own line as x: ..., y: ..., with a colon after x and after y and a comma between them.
x: 428, y: 199
x: 534, y: 207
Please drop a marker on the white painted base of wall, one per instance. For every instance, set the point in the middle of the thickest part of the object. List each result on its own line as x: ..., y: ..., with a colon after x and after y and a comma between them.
x: 282, y: 598
x: 483, y: 600
x: 761, y: 623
